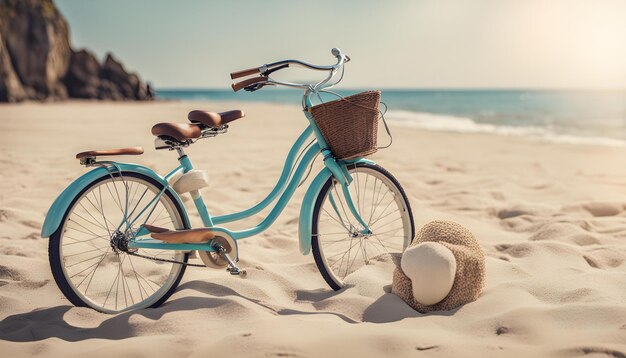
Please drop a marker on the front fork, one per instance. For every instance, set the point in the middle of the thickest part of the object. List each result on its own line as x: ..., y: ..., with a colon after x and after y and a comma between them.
x: 339, y: 171
x: 342, y: 175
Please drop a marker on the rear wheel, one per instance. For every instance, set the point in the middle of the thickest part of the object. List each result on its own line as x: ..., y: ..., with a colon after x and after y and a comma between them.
x: 89, y: 260
x: 339, y: 247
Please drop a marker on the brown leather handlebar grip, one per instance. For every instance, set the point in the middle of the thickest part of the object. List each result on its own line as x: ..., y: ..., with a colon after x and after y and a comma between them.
x: 239, y: 85
x: 244, y: 73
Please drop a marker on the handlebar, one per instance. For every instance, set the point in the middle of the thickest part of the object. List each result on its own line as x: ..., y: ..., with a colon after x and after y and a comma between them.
x: 250, y: 81
x: 267, y: 69
x: 244, y: 73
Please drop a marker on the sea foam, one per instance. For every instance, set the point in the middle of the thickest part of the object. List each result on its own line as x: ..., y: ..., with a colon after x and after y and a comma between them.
x: 448, y: 123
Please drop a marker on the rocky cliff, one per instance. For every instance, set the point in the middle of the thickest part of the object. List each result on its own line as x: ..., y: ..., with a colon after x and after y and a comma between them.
x: 37, y: 61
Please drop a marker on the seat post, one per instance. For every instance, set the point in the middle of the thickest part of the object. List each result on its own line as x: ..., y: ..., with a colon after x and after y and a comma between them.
x: 184, y: 159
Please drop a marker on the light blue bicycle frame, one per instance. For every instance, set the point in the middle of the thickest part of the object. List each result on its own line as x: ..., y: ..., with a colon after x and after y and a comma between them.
x: 298, y: 161
x: 289, y: 180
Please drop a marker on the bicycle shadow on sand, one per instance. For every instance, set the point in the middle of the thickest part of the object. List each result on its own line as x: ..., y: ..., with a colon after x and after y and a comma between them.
x: 51, y: 322
x: 387, y: 308
x: 218, y: 290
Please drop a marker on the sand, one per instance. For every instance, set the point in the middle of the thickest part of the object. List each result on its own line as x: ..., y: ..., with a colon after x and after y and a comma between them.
x: 551, y: 219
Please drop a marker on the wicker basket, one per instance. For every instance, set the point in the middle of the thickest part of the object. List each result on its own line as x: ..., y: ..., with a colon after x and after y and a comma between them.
x: 350, y: 124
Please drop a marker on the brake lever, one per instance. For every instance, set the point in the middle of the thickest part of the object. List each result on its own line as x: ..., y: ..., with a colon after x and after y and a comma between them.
x: 255, y: 87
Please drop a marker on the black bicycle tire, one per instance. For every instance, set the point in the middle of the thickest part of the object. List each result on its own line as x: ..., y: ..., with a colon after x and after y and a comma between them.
x: 54, y: 256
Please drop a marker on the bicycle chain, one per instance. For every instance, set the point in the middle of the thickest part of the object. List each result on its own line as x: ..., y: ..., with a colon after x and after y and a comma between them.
x: 164, y: 260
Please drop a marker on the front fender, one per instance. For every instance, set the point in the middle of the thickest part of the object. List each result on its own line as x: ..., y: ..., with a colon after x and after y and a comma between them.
x: 61, y: 204
x: 308, y: 204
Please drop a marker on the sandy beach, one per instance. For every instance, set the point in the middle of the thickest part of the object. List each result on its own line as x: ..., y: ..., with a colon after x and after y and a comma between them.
x: 551, y: 219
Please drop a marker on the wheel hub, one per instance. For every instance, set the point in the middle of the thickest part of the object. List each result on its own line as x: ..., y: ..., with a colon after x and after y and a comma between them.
x: 355, y: 234
x: 119, y: 242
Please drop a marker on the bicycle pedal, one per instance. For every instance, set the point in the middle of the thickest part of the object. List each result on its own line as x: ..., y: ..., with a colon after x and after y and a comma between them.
x: 236, y: 271
x: 232, y: 267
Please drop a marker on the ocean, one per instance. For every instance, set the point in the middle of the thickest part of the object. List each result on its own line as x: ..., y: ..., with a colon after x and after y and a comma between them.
x: 577, y: 117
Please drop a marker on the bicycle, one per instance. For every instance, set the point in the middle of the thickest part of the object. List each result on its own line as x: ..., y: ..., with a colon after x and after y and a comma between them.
x: 120, y: 237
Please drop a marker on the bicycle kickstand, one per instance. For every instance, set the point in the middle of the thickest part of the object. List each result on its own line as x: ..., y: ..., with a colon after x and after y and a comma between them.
x: 232, y: 267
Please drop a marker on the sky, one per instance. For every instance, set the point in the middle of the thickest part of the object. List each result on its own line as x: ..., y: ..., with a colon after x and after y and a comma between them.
x: 542, y: 44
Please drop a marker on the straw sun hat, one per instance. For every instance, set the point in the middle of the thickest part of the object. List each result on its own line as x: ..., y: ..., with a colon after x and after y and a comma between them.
x: 443, y: 268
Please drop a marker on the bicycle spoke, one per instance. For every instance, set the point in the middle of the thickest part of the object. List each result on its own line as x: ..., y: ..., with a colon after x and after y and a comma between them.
x: 331, y: 233
x: 149, y: 214
x: 89, y: 221
x: 374, y: 200
x: 102, y: 211
x: 352, y: 243
x: 343, y: 209
x: 84, y: 252
x: 340, y: 260
x: 119, y: 204
x: 83, y: 261
x: 382, y: 223
x: 377, y: 205
x: 77, y: 241
x: 123, y: 282
x: 393, y: 231
x: 157, y: 216
x: 340, y: 223
x: 356, y: 254
x: 79, y: 224
x: 110, y: 290
x: 94, y: 272
x: 384, y: 211
x: 136, y: 205
x: 343, y: 257
x: 365, y: 192
x: 130, y: 259
x: 380, y: 243
x: 358, y: 195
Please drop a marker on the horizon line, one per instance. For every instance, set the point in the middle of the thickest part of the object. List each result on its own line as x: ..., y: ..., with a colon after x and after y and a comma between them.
x: 425, y: 89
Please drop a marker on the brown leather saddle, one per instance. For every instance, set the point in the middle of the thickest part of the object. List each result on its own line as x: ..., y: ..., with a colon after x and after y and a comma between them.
x: 199, y: 119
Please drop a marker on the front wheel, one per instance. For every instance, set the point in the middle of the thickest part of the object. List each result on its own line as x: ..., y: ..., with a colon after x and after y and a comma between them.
x: 89, y: 261
x: 339, y: 246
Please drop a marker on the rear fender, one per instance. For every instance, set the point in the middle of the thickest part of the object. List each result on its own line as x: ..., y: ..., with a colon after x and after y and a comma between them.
x: 62, y: 203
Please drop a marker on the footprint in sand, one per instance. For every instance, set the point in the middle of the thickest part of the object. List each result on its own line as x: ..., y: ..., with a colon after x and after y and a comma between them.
x: 519, y: 210
x: 605, y: 258
x: 599, y: 209
x: 567, y: 232
x: 9, y: 273
x: 510, y: 213
x: 33, y: 224
x: 515, y: 250
x: 4, y: 215
x: 596, y: 351
x: 592, y: 262
x: 32, y: 236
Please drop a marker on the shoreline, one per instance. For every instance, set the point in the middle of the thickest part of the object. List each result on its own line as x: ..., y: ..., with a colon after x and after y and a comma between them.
x: 394, y: 119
